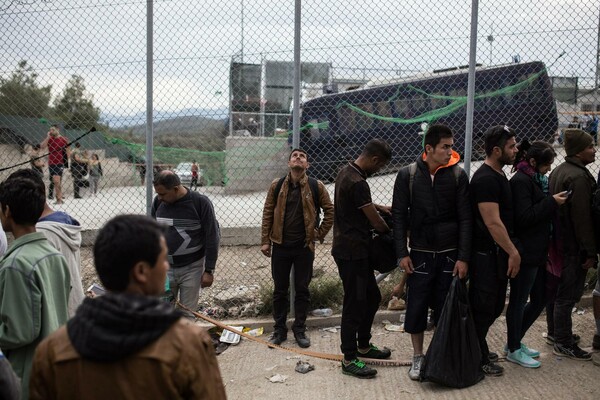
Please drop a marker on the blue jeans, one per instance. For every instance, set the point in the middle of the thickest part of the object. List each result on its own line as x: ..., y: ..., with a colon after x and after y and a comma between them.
x: 530, y: 283
x: 185, y: 282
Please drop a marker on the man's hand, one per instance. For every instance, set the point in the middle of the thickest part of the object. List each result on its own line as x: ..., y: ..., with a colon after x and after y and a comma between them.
x: 461, y: 269
x: 266, y: 249
x: 207, y: 280
x: 385, y: 209
x: 514, y: 264
x: 589, y: 263
x: 407, y: 265
x: 317, y: 236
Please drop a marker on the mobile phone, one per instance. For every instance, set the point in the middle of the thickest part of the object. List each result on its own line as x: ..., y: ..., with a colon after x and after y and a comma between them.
x: 569, y: 193
x: 96, y: 289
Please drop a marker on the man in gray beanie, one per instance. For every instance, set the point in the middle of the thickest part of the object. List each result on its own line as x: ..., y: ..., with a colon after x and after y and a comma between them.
x: 574, y: 235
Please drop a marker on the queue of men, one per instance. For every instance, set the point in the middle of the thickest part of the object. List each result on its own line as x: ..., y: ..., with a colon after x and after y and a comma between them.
x: 443, y: 226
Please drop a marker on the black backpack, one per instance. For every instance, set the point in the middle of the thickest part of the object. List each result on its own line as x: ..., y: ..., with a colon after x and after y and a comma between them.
x: 314, y: 188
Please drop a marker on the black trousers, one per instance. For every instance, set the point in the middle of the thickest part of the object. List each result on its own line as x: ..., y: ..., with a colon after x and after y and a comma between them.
x: 361, y: 301
x: 282, y: 260
x: 570, y: 290
x: 487, y: 294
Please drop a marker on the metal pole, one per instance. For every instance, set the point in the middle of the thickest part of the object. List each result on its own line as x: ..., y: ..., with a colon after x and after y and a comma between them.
x: 296, y: 115
x: 242, y: 49
x: 597, y: 56
x: 471, y: 87
x: 263, y: 95
x: 149, y: 103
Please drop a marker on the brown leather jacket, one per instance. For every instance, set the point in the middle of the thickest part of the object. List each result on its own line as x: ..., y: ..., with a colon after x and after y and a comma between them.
x: 181, y: 364
x: 274, y: 212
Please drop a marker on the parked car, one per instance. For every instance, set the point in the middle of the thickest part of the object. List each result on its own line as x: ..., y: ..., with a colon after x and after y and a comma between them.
x: 184, y: 172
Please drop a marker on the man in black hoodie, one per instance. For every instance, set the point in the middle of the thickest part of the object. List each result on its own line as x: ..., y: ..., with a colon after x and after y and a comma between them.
x: 127, y: 343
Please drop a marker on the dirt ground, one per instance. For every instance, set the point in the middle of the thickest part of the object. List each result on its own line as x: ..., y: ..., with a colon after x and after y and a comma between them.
x: 247, y: 367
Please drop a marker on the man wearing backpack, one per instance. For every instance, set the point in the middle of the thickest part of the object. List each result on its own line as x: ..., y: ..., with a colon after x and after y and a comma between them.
x: 431, y: 199
x: 290, y: 227
x: 192, y: 237
x: 575, y: 231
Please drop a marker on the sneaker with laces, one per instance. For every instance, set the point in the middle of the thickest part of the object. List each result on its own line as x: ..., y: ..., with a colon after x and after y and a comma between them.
x: 302, y: 340
x: 550, y: 339
x: 414, y: 372
x: 530, y: 352
x: 278, y: 338
x: 520, y: 357
x: 358, y: 369
x: 493, y: 357
x: 491, y: 369
x: 375, y: 352
x: 571, y: 351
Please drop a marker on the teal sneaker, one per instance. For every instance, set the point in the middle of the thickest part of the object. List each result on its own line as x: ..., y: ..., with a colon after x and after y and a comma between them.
x: 358, y: 369
x: 530, y: 352
x: 519, y: 357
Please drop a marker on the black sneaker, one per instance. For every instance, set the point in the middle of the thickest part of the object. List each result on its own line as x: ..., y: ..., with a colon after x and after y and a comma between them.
x: 550, y: 339
x: 375, y: 352
x: 278, y: 338
x: 302, y: 340
x: 358, y: 369
x: 596, y: 342
x: 491, y: 369
x: 573, y: 352
x: 493, y: 357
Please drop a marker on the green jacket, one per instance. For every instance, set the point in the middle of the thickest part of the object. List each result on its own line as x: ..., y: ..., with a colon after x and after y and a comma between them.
x: 575, y: 223
x: 34, y: 293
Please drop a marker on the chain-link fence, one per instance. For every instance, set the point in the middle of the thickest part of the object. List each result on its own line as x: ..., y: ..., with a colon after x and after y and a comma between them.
x: 223, y: 85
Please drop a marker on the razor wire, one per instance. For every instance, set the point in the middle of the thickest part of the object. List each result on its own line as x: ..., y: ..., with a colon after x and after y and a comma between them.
x: 223, y: 89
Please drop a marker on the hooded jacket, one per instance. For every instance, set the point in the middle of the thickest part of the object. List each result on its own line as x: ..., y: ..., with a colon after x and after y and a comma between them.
x: 440, y: 215
x: 34, y: 290
x: 125, y: 346
x: 66, y: 238
x: 575, y: 223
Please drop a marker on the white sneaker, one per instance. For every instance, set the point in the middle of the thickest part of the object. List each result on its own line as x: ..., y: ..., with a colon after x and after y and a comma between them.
x: 414, y: 372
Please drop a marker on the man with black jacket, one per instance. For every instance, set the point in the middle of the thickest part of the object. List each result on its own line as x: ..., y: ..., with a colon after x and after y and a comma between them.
x: 431, y: 200
x: 575, y: 231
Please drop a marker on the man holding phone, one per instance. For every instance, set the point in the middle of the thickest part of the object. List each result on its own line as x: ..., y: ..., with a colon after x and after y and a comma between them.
x: 575, y: 231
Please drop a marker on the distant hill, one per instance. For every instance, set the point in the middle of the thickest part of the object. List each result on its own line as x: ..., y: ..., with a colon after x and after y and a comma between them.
x: 116, y: 121
x: 186, y: 125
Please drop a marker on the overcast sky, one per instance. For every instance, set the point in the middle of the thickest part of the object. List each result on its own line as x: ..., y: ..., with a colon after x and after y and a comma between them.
x: 105, y: 41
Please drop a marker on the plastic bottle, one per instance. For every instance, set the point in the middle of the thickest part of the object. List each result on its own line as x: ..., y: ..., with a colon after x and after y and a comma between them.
x: 322, y: 312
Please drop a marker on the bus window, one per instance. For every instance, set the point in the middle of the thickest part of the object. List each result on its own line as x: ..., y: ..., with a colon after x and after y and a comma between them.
x: 384, y: 110
x: 438, y: 103
x: 314, y: 130
x: 364, y: 122
x: 402, y: 108
x: 346, y: 120
x: 420, y: 104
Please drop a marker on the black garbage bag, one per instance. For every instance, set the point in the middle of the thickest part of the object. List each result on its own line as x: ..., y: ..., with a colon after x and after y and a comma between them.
x: 382, y: 252
x: 453, y: 358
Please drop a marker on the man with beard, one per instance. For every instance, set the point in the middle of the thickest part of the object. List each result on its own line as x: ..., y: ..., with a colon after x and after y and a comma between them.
x: 290, y: 228
x: 495, y: 257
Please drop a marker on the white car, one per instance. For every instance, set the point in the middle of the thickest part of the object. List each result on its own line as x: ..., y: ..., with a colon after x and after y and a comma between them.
x: 184, y: 172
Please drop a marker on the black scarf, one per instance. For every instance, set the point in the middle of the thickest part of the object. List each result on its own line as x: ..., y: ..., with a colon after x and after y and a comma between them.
x: 115, y: 325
